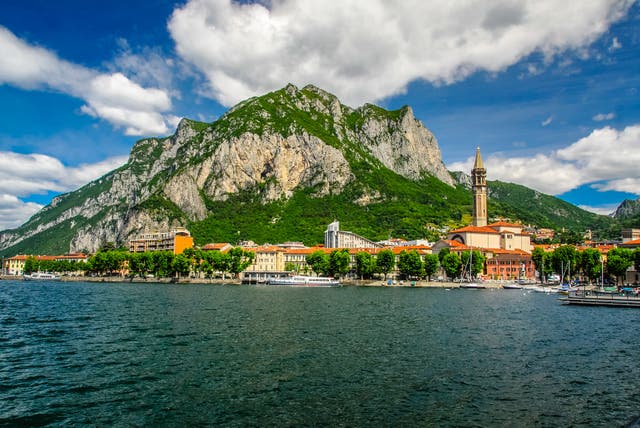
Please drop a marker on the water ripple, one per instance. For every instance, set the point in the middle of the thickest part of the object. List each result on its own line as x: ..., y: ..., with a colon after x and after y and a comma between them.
x: 151, y: 354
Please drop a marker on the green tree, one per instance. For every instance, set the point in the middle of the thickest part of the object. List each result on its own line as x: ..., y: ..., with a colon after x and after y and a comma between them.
x: 162, y: 263
x: 239, y: 260
x: 410, y: 264
x: 636, y: 259
x: 547, y: 263
x: 452, y: 265
x: 477, y: 261
x: 31, y: 265
x: 365, y: 264
x: 538, y: 260
x: 181, y: 264
x: 443, y: 252
x: 135, y: 265
x: 385, y: 262
x: 618, y: 261
x: 339, y: 262
x: 590, y: 263
x: 431, y: 264
x: 223, y: 263
x: 564, y: 261
x: 318, y: 261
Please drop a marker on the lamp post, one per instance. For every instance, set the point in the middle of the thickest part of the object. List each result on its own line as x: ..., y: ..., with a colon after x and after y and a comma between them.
x: 601, y: 273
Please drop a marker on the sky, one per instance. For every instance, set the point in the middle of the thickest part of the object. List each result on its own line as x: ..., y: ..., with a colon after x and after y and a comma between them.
x: 548, y: 90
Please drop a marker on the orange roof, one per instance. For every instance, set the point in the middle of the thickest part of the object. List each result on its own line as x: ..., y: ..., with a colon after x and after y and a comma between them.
x: 265, y: 249
x: 634, y: 242
x: 216, y: 246
x: 475, y: 229
x: 25, y: 257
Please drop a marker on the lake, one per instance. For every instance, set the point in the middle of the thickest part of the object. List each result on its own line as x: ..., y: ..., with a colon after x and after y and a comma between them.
x: 184, y: 355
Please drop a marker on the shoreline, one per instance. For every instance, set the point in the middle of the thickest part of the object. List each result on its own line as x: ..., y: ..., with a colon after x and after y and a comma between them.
x: 235, y: 281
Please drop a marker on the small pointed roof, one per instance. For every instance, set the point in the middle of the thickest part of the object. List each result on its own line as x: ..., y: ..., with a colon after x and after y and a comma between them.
x: 478, y: 162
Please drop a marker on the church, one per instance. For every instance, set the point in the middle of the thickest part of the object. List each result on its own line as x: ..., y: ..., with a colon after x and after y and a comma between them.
x: 506, y: 246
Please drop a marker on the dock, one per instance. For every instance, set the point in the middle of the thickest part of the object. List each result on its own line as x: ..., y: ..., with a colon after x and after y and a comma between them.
x: 601, y: 298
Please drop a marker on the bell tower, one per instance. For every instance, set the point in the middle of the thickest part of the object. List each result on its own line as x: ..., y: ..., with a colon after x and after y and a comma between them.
x: 479, y: 190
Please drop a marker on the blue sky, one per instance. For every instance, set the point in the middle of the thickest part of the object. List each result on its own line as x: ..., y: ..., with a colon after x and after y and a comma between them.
x: 548, y: 91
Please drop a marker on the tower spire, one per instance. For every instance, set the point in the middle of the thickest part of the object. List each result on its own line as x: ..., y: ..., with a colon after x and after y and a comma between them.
x: 479, y: 190
x: 478, y: 162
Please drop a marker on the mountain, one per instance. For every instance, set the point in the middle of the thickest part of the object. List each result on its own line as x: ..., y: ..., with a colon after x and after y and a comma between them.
x: 277, y: 167
x: 628, y: 213
x: 627, y: 209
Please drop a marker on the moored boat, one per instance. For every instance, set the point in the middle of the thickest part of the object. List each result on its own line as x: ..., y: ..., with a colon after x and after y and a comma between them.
x: 472, y: 285
x: 40, y: 276
x: 304, y: 281
x: 512, y: 286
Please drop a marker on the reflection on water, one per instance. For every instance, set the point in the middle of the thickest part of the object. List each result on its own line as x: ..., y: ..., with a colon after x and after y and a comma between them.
x: 149, y: 354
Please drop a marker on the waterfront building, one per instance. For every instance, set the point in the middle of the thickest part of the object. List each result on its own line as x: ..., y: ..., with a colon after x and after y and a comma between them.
x: 268, y: 258
x: 500, y: 235
x: 336, y: 238
x: 176, y: 240
x: 15, y: 265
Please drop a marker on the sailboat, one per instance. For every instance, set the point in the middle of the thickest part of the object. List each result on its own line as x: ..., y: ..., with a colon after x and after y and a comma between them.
x: 471, y: 284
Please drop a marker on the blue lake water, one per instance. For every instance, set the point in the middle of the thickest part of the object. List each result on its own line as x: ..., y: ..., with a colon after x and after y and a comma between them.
x: 184, y: 355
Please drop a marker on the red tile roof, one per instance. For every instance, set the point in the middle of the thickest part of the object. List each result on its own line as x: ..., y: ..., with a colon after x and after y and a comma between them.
x: 475, y: 229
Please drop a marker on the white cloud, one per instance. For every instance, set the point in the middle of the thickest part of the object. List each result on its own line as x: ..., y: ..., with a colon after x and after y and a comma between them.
x: 366, y: 51
x: 603, y: 116
x: 547, y: 121
x: 14, y: 212
x: 27, y: 174
x: 608, y: 158
x: 602, y: 210
x: 112, y: 97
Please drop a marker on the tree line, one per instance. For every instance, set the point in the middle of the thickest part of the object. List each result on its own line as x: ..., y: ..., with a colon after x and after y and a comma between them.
x: 410, y: 264
x: 566, y: 260
x: 159, y: 264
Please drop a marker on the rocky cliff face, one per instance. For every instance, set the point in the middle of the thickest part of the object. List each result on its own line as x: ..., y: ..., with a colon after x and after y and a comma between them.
x: 270, y: 146
x: 627, y: 209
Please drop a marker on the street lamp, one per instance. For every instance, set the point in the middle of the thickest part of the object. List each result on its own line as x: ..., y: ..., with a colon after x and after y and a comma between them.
x: 601, y: 273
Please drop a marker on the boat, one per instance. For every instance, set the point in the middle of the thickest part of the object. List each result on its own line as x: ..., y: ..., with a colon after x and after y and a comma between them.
x: 512, y: 286
x: 601, y: 298
x: 472, y: 285
x: 304, y: 281
x: 40, y: 276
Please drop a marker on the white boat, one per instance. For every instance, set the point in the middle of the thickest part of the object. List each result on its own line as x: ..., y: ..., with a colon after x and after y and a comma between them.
x: 304, y: 281
x: 40, y: 276
x: 512, y: 286
x: 472, y: 285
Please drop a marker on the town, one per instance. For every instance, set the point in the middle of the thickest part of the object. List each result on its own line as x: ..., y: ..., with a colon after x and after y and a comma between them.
x: 498, y: 251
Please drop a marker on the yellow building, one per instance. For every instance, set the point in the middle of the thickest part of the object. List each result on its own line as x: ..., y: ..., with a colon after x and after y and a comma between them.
x: 176, y: 240
x: 15, y: 265
x: 268, y: 258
